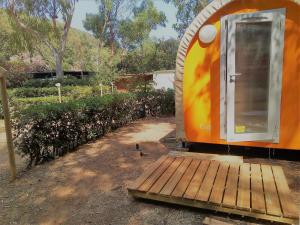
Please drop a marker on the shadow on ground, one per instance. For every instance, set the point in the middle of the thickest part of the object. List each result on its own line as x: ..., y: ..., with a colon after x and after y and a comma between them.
x: 89, y: 186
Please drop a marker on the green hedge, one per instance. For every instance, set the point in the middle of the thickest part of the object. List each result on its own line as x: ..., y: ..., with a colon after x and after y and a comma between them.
x: 18, y: 104
x: 22, y: 103
x: 44, y: 132
x: 26, y: 96
x: 75, y: 91
x: 158, y: 102
x: 67, y: 81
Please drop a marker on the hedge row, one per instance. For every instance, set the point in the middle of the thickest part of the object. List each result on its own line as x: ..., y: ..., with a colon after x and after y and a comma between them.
x: 76, y: 91
x: 44, y: 132
x: 67, y: 81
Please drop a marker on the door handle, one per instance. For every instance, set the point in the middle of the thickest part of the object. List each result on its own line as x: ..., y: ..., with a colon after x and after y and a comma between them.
x: 232, y: 76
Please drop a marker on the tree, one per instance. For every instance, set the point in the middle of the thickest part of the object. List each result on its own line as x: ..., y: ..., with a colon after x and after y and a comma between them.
x: 166, y: 53
x: 157, y: 55
x: 146, y: 18
x: 37, y: 22
x: 6, y: 35
x: 84, y: 52
x: 134, y: 36
x: 104, y: 24
x: 187, y: 10
x: 107, y: 69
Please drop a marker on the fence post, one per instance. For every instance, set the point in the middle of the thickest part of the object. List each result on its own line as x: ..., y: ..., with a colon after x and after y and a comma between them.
x: 9, y: 139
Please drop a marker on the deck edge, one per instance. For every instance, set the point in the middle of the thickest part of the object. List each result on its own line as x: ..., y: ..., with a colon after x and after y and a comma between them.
x: 210, y: 206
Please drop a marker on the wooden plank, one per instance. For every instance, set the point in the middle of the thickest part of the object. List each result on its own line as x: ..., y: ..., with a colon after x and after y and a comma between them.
x: 148, y: 171
x: 196, y: 181
x: 153, y: 178
x: 213, y: 207
x: 289, y: 208
x: 186, y: 179
x: 208, y: 156
x: 229, y: 199
x: 257, y: 192
x: 207, y: 184
x: 160, y: 183
x: 272, y: 200
x: 243, y: 199
x: 170, y: 186
x: 219, y: 186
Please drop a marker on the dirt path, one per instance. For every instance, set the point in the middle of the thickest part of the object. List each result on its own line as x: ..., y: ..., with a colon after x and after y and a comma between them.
x: 89, y: 185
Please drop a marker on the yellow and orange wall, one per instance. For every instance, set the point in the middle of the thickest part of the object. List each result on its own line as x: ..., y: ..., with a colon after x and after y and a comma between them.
x: 198, y: 76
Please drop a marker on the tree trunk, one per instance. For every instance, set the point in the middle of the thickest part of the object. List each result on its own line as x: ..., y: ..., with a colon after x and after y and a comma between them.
x: 58, y: 66
x: 112, y: 44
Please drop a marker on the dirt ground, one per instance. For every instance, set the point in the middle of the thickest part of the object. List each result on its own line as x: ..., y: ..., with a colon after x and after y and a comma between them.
x: 89, y: 186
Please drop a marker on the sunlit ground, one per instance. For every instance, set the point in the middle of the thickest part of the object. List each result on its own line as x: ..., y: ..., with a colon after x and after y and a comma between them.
x: 88, y: 186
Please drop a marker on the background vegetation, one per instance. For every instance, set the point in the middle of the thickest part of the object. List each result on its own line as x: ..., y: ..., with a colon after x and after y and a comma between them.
x: 36, y: 36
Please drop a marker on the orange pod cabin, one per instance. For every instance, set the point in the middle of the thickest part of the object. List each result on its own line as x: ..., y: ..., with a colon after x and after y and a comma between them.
x: 238, y: 75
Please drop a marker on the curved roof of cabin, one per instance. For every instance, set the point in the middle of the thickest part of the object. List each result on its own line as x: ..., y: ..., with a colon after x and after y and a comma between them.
x: 194, y: 27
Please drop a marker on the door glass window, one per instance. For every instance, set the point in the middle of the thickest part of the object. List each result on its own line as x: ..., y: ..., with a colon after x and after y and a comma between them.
x: 252, y: 83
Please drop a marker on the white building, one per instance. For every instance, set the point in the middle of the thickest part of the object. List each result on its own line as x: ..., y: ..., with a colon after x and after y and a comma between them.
x: 164, y: 79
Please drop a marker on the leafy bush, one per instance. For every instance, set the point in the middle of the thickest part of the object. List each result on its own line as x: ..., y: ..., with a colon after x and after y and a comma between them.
x: 43, y: 132
x: 158, y: 102
x: 68, y: 81
x: 30, y: 92
x: 23, y: 102
x: 75, y: 91
x: 17, y: 71
x: 16, y: 79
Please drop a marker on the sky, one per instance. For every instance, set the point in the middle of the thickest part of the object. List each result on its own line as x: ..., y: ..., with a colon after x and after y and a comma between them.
x: 90, y: 6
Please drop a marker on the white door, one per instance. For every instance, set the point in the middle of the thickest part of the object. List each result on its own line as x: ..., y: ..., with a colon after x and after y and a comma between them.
x: 253, y: 75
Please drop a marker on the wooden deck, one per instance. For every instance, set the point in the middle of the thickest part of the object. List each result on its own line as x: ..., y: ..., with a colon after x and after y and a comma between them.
x: 253, y: 190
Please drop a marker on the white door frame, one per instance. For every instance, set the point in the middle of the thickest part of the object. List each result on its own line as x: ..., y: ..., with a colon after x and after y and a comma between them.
x: 227, y: 88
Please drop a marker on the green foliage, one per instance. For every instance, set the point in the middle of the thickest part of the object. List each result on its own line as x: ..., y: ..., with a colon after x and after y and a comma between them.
x: 146, y: 18
x: 156, y: 55
x: 70, y: 81
x: 130, y: 33
x: 107, y: 69
x: 44, y: 132
x: 85, y: 52
x: 41, y: 92
x: 124, y: 47
x: 157, y: 102
x: 71, y: 91
x: 81, y: 52
x: 21, y: 98
x: 47, y: 131
x: 17, y: 73
x: 7, y: 47
x: 187, y: 10
x: 95, y: 23
x: 104, y: 24
x: 166, y: 53
x: 36, y: 23
x: 23, y: 103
